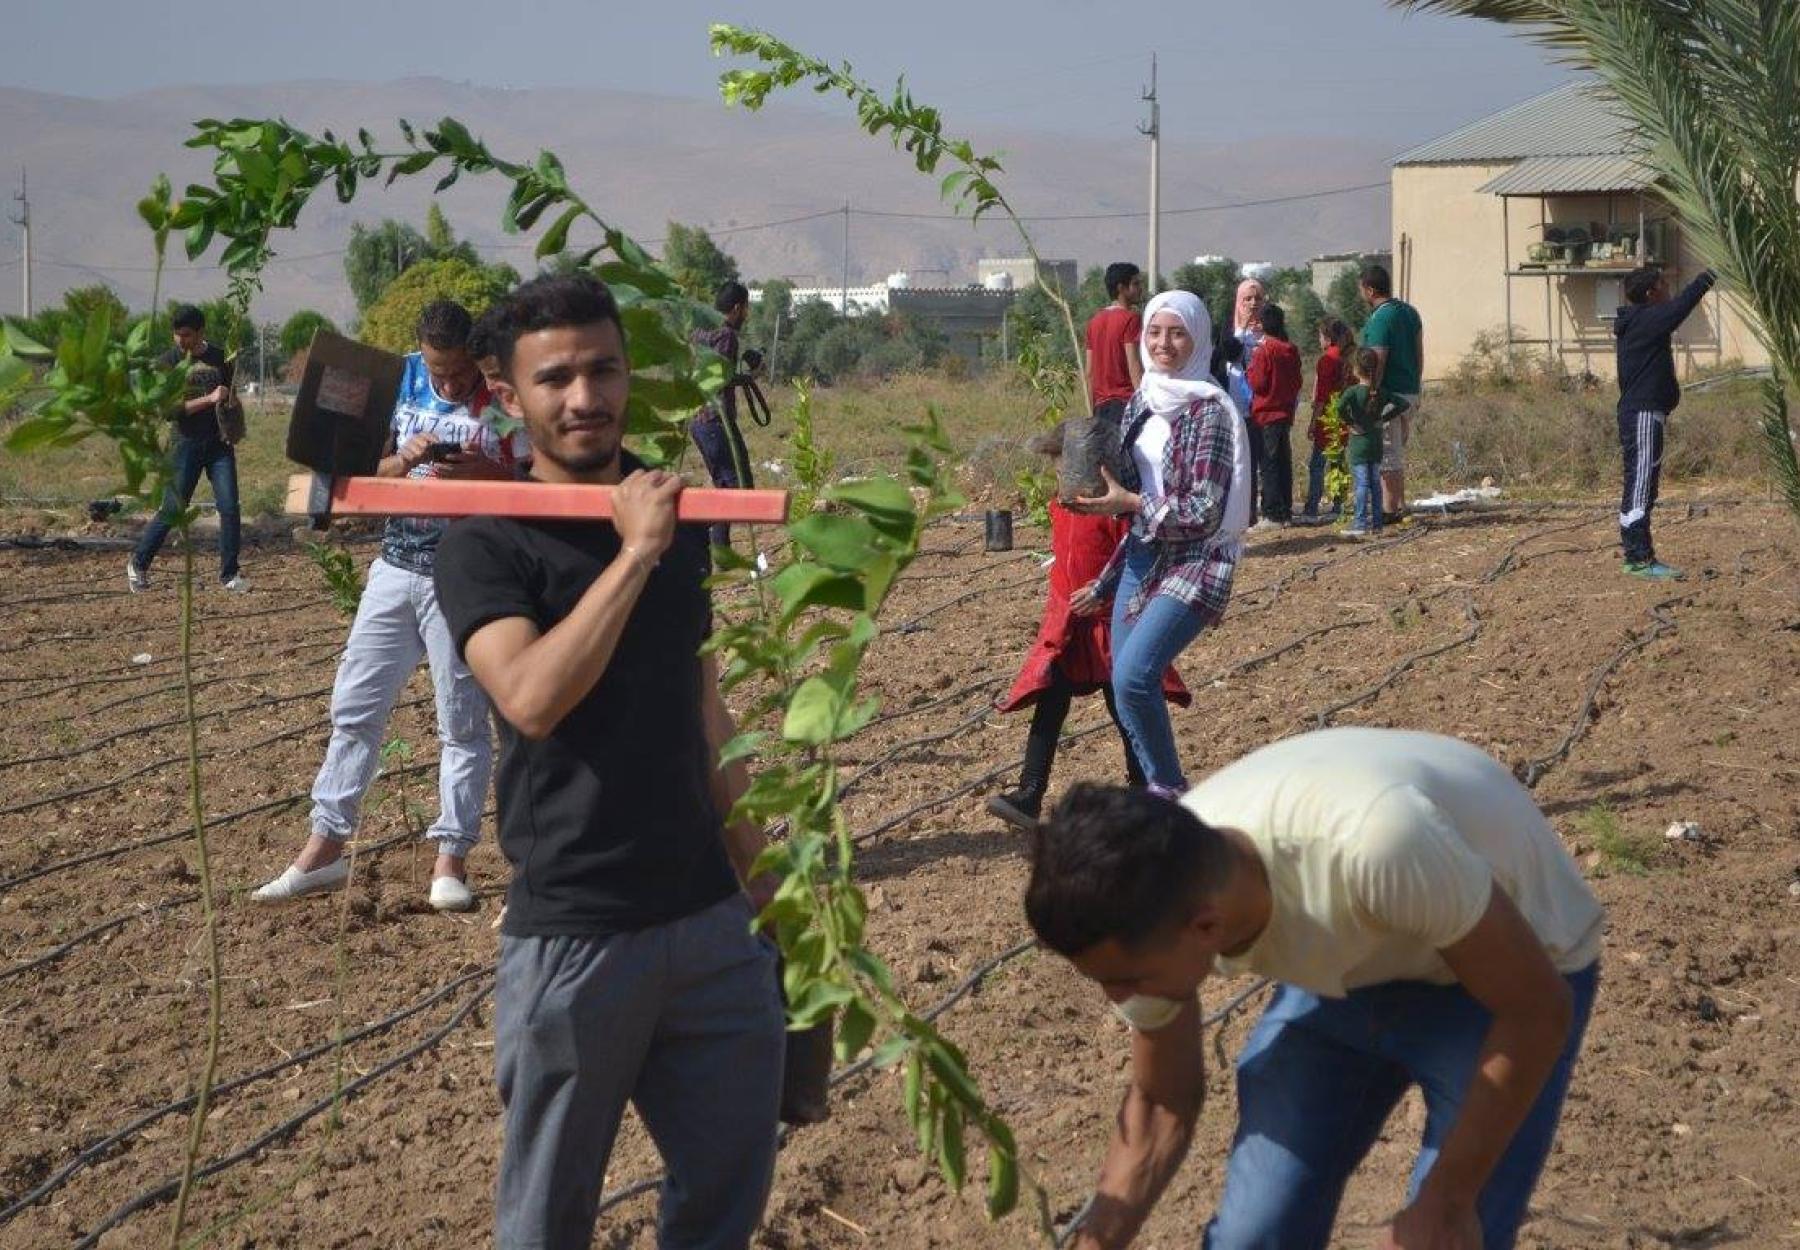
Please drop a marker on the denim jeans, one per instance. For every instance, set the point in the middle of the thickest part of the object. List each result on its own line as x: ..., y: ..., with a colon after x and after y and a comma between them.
x: 1368, y: 496
x: 190, y: 458
x: 397, y: 623
x: 1142, y: 648
x: 1317, y: 1080
x: 1315, y: 483
x: 721, y: 446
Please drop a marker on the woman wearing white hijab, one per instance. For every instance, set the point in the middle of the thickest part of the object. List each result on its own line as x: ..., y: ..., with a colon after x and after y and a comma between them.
x: 1185, y: 483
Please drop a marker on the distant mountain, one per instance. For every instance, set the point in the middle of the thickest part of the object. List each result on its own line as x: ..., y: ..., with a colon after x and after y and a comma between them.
x: 647, y: 159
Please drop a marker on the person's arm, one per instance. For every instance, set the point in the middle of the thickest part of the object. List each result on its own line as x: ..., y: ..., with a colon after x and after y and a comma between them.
x: 1090, y: 599
x: 1501, y: 963
x: 535, y: 679
x: 1151, y: 1135
x: 1666, y: 317
x: 1090, y: 372
x: 398, y: 461
x: 1258, y: 373
x: 743, y: 841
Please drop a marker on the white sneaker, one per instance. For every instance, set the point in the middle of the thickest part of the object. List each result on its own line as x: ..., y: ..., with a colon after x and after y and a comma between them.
x: 137, y: 579
x: 293, y: 883
x: 1264, y: 526
x: 451, y: 894
x: 236, y: 585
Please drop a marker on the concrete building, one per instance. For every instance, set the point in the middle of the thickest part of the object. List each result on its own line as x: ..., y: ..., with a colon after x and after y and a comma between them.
x: 968, y: 315
x: 1523, y: 225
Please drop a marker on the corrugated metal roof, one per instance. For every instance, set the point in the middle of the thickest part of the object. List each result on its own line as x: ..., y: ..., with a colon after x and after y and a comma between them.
x: 1572, y: 175
x: 1576, y: 120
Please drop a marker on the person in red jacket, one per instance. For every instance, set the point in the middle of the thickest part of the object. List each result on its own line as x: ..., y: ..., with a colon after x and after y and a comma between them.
x: 1071, y: 656
x: 1275, y: 380
x: 1335, y: 340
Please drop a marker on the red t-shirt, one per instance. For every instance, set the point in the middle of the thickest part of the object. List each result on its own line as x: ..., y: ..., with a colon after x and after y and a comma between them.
x: 1111, y: 333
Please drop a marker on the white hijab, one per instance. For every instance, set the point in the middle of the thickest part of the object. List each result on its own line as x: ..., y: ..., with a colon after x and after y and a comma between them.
x: 1169, y: 394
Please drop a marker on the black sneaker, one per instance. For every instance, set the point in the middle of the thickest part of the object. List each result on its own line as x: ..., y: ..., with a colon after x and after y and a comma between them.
x: 1018, y: 808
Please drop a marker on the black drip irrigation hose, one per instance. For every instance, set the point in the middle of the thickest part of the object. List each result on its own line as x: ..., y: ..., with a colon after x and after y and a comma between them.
x: 1532, y: 771
x: 292, y: 1124
x: 99, y: 1150
x: 1323, y: 718
x: 203, y: 619
x: 912, y: 625
x: 185, y: 831
x: 1311, y: 570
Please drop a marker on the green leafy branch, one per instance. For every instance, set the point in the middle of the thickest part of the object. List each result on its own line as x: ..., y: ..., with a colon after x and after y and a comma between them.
x: 265, y: 173
x: 1337, y: 443
x: 914, y: 128
x: 799, y: 656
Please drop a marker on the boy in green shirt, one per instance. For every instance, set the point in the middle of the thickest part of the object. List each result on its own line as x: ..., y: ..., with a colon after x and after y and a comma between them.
x: 1366, y: 409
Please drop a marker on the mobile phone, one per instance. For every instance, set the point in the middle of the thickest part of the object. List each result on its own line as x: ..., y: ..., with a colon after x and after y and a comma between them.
x: 438, y: 451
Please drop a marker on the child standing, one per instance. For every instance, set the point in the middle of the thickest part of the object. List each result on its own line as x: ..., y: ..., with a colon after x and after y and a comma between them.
x: 1365, y: 411
x: 1275, y: 381
x: 1072, y: 654
x: 1335, y: 340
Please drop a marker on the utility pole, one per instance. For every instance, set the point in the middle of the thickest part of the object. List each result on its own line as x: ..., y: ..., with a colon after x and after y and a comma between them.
x: 846, y: 292
x: 1154, y: 131
x: 23, y: 221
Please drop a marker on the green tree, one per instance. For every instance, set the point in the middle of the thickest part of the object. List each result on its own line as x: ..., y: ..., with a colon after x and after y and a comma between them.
x: 1215, y: 282
x: 1710, y: 86
x: 297, y: 331
x: 390, y: 322
x: 699, y: 264
x: 442, y: 240
x: 1343, y: 298
x: 379, y: 254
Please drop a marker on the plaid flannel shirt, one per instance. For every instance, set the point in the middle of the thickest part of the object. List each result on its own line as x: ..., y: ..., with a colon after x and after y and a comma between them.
x: 1181, y: 523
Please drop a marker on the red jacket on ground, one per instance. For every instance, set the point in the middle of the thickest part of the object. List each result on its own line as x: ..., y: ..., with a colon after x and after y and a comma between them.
x: 1275, y: 381
x: 1080, y: 646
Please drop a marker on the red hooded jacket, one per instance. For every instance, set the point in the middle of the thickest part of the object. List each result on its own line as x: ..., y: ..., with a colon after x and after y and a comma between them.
x: 1275, y: 380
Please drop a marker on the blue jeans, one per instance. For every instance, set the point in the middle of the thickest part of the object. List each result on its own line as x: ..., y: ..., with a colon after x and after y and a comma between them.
x: 1317, y: 1080
x: 1368, y: 496
x: 721, y: 445
x: 1315, y: 483
x: 191, y: 457
x: 1141, y: 649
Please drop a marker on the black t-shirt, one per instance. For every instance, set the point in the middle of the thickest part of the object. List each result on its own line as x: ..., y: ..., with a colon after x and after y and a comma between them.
x: 210, y: 371
x: 608, y: 822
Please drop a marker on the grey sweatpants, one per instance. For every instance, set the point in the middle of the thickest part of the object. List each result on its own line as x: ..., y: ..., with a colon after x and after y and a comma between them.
x: 685, y: 1022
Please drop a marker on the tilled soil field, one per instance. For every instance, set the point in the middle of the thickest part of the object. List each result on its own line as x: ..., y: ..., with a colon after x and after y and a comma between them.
x: 1628, y: 705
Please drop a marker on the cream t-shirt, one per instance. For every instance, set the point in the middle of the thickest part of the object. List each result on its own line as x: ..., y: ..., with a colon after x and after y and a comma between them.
x: 1382, y: 847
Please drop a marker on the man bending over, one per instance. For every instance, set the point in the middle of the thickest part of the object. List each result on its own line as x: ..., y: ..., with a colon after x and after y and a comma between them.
x: 1425, y: 927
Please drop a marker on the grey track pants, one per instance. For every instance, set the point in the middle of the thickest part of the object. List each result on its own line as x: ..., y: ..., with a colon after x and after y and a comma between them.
x: 684, y: 1021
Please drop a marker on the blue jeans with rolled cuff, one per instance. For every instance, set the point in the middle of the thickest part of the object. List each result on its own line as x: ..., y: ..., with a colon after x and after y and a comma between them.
x: 1141, y: 649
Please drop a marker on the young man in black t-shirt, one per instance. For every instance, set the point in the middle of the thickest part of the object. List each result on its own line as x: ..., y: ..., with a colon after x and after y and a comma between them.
x: 628, y: 971
x: 201, y: 445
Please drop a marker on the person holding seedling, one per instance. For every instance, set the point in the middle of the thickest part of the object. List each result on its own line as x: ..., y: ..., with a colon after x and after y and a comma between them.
x: 1648, y: 393
x: 1185, y: 486
x: 1367, y: 411
x: 437, y: 432
x: 628, y: 969
x: 1424, y: 926
x: 1072, y: 655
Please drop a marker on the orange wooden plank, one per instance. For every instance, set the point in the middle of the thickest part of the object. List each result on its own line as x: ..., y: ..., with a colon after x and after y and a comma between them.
x: 400, y: 496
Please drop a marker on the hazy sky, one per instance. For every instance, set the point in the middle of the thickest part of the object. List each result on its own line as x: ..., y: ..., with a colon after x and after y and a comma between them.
x: 1226, y: 66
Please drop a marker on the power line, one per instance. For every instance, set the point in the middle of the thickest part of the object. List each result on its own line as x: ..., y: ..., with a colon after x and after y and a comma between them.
x: 1120, y: 216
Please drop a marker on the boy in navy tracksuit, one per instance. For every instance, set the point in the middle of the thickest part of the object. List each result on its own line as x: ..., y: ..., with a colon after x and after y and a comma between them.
x: 1648, y: 393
